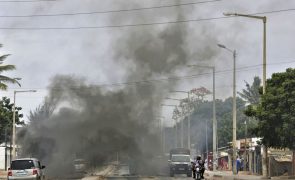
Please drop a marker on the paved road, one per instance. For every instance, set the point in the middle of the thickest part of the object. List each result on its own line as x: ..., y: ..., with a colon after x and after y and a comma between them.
x: 177, y: 177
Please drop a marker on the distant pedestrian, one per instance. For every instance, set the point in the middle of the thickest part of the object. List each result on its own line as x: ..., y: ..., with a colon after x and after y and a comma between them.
x: 238, y: 161
x: 242, y: 164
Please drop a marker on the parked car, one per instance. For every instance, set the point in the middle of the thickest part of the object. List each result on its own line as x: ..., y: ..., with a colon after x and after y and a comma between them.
x: 26, y: 168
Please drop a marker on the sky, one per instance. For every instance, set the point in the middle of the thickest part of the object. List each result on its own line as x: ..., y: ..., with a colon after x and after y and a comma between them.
x: 85, y: 44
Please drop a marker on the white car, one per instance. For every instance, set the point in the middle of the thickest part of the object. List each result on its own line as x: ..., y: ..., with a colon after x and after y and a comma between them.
x: 26, y: 168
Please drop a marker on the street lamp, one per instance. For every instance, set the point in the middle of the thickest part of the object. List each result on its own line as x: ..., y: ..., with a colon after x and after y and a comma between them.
x: 188, y: 123
x: 263, y: 18
x: 13, y: 121
x: 175, y: 106
x: 234, y: 105
x: 182, y: 128
x: 214, y: 116
x: 162, y: 133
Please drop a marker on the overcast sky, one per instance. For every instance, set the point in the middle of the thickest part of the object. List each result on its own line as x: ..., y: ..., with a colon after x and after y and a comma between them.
x: 40, y: 54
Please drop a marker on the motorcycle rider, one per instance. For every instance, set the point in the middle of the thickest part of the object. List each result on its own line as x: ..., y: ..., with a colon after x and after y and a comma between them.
x: 201, y: 164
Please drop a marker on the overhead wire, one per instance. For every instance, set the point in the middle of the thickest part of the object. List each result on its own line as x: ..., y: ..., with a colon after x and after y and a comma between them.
x: 141, y: 24
x: 108, y: 11
x: 25, y: 1
x: 145, y: 82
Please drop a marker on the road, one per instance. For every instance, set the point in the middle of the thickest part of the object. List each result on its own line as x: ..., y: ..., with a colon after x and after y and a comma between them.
x: 183, y: 177
x: 122, y: 173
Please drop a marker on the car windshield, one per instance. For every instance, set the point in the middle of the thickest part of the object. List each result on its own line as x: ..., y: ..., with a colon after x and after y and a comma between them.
x: 79, y: 161
x: 22, y: 164
x: 180, y: 158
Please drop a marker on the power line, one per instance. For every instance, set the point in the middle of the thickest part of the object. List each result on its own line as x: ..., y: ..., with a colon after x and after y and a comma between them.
x: 108, y: 11
x: 144, y: 82
x: 139, y: 24
x: 25, y: 1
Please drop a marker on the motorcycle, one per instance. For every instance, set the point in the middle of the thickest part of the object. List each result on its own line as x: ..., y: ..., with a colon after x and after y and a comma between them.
x: 198, y: 172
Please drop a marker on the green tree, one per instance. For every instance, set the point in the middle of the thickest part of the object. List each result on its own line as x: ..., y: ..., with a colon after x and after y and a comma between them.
x: 203, y: 114
x: 225, y: 122
x: 251, y: 93
x: 3, y: 68
x: 276, y: 111
x: 6, y: 113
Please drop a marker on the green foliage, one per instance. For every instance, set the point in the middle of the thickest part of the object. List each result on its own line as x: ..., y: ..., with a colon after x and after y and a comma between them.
x: 6, y: 79
x: 251, y: 93
x: 203, y: 114
x: 42, y: 112
x: 225, y: 122
x: 6, y: 114
x: 276, y: 112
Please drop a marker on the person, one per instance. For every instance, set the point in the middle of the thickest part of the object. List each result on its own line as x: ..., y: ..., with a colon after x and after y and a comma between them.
x: 199, y: 162
x: 242, y: 164
x: 238, y: 161
x: 222, y: 163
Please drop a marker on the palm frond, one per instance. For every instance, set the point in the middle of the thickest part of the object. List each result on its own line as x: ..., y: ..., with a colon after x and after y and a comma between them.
x: 6, y: 68
x: 3, y: 57
x: 3, y: 86
x: 9, y: 80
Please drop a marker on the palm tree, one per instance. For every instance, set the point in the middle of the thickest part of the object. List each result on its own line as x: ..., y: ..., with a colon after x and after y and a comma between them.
x: 6, y: 79
x: 251, y: 93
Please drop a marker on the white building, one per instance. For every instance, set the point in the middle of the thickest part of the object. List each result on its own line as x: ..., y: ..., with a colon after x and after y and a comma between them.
x: 2, y: 156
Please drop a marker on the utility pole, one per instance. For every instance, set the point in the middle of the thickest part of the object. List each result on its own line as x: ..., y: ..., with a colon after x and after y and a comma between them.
x: 175, y: 117
x: 214, y: 117
x: 5, y: 148
x: 234, y: 107
x: 188, y: 123
x: 245, y: 150
x: 264, y: 19
x: 234, y: 114
x: 13, y: 123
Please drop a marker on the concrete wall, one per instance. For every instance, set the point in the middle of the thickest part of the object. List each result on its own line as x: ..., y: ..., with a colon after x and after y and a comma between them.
x: 279, y: 168
x: 2, y: 158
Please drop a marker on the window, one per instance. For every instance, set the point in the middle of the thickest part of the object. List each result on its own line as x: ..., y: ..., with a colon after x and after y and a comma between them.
x: 22, y: 164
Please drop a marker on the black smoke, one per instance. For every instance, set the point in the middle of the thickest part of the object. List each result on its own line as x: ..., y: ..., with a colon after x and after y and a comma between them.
x: 93, y: 122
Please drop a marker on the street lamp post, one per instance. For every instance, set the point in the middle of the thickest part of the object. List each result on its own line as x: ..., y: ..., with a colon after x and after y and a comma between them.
x: 214, y: 116
x: 264, y: 19
x: 161, y: 119
x: 234, y: 106
x: 13, y: 122
x: 176, y: 129
x: 188, y: 123
x: 182, y: 127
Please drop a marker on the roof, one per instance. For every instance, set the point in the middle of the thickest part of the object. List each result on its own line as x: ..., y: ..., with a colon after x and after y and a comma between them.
x: 21, y: 159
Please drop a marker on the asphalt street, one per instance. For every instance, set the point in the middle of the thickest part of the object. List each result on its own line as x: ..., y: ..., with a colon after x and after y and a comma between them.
x: 183, y: 177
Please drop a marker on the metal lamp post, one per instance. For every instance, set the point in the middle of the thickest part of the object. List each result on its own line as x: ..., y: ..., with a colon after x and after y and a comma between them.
x: 161, y: 119
x: 214, y: 116
x: 182, y: 125
x: 176, y: 129
x: 188, y: 122
x: 234, y: 105
x: 13, y: 122
x: 264, y: 19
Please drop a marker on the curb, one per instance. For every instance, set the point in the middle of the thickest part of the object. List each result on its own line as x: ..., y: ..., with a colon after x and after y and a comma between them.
x: 228, y: 177
x: 283, y: 177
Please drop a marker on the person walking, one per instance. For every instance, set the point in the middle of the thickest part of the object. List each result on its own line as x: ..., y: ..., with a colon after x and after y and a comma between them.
x: 238, y: 161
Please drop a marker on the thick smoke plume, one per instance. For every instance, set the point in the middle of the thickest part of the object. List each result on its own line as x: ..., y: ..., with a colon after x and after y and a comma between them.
x: 78, y: 120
